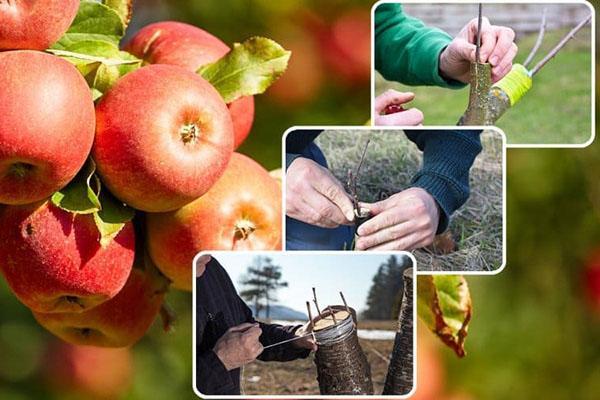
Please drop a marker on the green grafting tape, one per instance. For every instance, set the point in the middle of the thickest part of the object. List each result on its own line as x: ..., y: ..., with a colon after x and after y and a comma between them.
x: 515, y: 84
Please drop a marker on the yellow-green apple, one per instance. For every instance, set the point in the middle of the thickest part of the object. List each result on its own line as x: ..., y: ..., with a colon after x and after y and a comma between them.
x: 163, y: 138
x: 46, y: 125
x: 34, y: 24
x: 87, y: 372
x: 119, y: 322
x: 241, y: 212
x: 177, y: 43
x: 53, y: 260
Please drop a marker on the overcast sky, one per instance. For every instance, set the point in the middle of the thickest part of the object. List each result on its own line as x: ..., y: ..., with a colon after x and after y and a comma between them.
x: 351, y: 273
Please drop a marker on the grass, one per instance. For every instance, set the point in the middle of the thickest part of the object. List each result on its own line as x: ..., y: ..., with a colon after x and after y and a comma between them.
x: 557, y: 110
x: 300, y: 377
x: 389, y: 165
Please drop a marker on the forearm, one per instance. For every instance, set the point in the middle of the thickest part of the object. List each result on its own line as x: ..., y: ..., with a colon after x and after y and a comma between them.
x: 447, y: 160
x: 406, y: 50
x: 273, y: 333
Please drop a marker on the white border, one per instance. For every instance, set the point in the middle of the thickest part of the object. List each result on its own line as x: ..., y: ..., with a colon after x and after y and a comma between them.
x: 402, y: 128
x: 510, y: 146
x: 293, y: 254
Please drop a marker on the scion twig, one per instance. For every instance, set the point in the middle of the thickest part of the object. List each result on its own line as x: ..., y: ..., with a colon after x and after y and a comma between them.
x: 478, y: 41
x: 315, y: 300
x: 560, y: 45
x: 539, y: 40
x: 353, y: 178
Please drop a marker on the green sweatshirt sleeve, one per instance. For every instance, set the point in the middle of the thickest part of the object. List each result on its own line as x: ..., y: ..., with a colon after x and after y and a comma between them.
x: 406, y: 50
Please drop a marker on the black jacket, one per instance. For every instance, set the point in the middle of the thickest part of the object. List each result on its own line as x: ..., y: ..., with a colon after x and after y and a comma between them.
x: 218, y: 308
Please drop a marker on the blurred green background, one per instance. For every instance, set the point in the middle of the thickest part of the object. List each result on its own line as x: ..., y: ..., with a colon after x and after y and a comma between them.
x: 535, y: 332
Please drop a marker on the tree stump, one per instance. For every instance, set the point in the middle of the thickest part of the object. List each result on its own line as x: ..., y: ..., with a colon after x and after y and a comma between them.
x: 399, y: 379
x: 481, y: 82
x: 342, y: 367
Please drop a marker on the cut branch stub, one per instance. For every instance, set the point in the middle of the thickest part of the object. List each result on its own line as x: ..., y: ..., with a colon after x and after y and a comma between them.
x: 399, y: 379
x: 481, y: 82
x: 507, y: 92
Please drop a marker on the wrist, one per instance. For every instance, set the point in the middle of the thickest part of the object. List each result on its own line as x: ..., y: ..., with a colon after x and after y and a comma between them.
x: 443, y: 64
x: 221, y: 357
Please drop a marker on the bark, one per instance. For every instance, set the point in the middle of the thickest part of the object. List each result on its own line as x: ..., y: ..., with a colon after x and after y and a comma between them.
x: 399, y: 379
x: 498, y: 104
x: 342, y: 366
x: 481, y: 82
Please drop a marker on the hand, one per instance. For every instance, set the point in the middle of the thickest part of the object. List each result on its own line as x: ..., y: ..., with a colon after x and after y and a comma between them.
x: 405, y: 221
x: 307, y: 342
x: 239, y: 345
x: 497, y: 48
x: 315, y: 196
x: 409, y: 117
x: 201, y: 264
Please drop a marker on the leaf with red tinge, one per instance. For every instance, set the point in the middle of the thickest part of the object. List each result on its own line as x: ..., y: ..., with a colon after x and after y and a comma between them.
x: 444, y: 304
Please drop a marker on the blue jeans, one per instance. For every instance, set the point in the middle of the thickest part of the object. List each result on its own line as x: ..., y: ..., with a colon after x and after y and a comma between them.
x: 302, y: 236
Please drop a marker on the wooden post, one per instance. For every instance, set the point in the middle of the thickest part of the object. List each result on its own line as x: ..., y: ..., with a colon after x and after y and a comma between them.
x: 399, y: 379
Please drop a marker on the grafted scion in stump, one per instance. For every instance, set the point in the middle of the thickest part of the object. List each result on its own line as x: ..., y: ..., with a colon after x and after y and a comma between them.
x: 399, y: 379
x: 487, y: 102
x: 481, y: 82
x: 342, y: 367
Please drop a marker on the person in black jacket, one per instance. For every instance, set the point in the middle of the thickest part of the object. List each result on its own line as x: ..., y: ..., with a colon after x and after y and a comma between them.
x: 228, y: 337
x: 320, y: 214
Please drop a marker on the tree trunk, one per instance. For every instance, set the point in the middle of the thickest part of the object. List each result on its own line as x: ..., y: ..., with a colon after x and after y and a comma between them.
x: 342, y: 366
x: 399, y: 379
x: 481, y: 82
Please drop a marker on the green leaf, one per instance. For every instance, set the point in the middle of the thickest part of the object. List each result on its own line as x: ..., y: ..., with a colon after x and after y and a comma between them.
x: 112, y: 217
x: 94, y: 22
x: 444, y: 304
x: 80, y: 196
x: 248, y: 69
x: 101, y: 63
x: 122, y: 7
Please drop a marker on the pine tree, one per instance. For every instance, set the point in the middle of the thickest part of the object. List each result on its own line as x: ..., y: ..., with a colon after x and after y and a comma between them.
x: 261, y: 282
x: 386, y: 289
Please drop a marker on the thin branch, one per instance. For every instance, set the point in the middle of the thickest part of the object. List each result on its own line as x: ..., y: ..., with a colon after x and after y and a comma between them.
x: 353, y: 178
x: 478, y: 41
x: 539, y: 40
x: 560, y: 45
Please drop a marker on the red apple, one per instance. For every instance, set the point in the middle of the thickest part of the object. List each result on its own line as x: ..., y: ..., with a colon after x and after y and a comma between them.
x: 190, y: 47
x: 53, y: 260
x: 163, y: 138
x: 241, y: 212
x: 304, y: 77
x: 34, y: 24
x: 46, y: 124
x: 87, y: 372
x: 393, y: 109
x: 591, y: 280
x: 346, y: 46
x: 430, y: 369
x: 119, y: 322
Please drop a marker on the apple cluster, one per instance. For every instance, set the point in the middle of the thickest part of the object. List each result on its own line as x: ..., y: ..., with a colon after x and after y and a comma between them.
x: 162, y: 142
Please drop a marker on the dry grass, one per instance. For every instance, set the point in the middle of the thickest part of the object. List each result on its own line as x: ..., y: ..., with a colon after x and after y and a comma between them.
x: 300, y: 377
x: 391, y: 162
